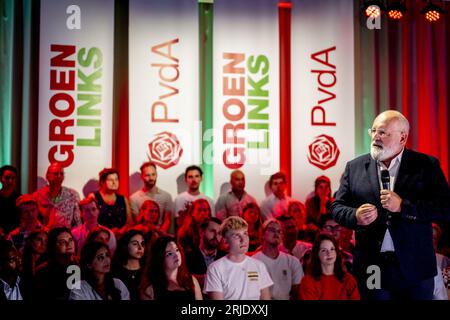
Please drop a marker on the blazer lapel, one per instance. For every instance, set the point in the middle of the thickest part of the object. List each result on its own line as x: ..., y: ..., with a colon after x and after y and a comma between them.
x: 403, y: 172
x: 371, y: 171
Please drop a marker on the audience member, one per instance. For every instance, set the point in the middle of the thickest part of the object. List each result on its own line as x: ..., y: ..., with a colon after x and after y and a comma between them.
x: 29, y: 222
x: 320, y: 203
x: 284, y: 269
x: 9, y: 216
x: 127, y: 261
x: 277, y: 202
x: 234, y: 201
x: 290, y: 244
x: 165, y: 275
x: 199, y: 258
x: 151, y: 192
x: 188, y: 234
x: 193, y: 177
x: 10, y: 282
x: 90, y: 214
x: 97, y: 282
x: 50, y: 281
x: 237, y: 276
x: 326, y: 278
x: 252, y: 215
x: 58, y: 205
x: 114, y: 209
x: 34, y: 255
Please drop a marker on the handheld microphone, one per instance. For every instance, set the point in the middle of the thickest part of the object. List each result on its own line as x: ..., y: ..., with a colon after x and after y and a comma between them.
x: 385, y: 179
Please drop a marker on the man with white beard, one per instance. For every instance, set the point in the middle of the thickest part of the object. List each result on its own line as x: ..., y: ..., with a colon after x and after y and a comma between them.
x: 390, y: 197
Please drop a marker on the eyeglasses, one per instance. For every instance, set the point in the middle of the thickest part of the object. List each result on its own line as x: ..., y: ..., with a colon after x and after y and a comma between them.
x: 381, y: 132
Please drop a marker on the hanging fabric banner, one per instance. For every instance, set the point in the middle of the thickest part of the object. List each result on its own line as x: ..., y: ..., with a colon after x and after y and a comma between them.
x: 246, y: 93
x: 164, y: 117
x: 75, y: 89
x: 323, y: 120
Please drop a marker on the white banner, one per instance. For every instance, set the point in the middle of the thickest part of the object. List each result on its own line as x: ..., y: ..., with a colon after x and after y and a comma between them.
x: 323, y: 117
x: 75, y: 89
x: 246, y: 93
x: 164, y: 102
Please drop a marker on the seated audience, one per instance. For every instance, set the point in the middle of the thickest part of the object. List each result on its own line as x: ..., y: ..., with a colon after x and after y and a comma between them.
x: 284, y: 269
x: 127, y: 261
x: 290, y: 244
x: 90, y: 213
x: 252, y: 215
x: 320, y: 203
x: 28, y: 211
x: 325, y: 277
x: 97, y: 282
x: 147, y: 220
x: 277, y: 202
x: 51, y: 278
x: 10, y: 282
x: 234, y: 201
x: 34, y: 255
x: 9, y: 216
x: 58, y: 205
x: 150, y: 191
x: 237, y: 276
x: 165, y: 274
x: 189, y: 232
x: 199, y: 258
x: 114, y: 209
x: 297, y: 210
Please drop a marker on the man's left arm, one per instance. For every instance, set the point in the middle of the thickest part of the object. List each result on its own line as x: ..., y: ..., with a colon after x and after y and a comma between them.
x: 435, y: 206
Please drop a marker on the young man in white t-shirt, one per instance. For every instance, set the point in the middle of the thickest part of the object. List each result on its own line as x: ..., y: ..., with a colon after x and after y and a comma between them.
x: 284, y: 269
x: 237, y: 276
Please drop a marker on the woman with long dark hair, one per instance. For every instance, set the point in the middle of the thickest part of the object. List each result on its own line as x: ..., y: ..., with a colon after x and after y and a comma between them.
x: 97, y: 282
x: 188, y: 234
x: 326, y: 278
x: 165, y: 274
x: 34, y: 255
x: 127, y: 261
x: 252, y: 215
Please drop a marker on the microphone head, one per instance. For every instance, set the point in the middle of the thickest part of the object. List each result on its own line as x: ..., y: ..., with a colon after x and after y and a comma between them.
x: 385, y: 177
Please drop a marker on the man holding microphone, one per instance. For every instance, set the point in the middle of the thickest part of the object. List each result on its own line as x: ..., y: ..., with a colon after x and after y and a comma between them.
x: 390, y: 197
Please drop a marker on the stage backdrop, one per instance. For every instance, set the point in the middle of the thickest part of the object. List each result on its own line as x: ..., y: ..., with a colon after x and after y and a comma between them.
x: 246, y: 93
x: 322, y: 92
x: 163, y: 105
x: 75, y: 89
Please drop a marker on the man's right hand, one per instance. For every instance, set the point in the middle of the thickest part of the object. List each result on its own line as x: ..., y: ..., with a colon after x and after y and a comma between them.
x: 366, y: 214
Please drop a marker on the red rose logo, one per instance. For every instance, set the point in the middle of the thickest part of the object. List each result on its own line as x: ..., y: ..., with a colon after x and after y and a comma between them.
x: 323, y: 152
x: 165, y: 150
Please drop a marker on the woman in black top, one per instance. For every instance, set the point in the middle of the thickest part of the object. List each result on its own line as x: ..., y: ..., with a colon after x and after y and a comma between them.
x: 127, y: 262
x: 165, y: 274
x: 114, y: 209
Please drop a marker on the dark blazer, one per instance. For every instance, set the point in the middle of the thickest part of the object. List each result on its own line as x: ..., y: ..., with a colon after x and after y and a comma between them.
x: 425, y: 198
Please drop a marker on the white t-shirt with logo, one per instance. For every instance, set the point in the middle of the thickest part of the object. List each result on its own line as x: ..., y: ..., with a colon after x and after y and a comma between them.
x: 285, y: 272
x: 237, y: 280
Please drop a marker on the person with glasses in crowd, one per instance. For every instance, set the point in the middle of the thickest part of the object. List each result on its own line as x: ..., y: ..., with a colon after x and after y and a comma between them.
x: 284, y: 269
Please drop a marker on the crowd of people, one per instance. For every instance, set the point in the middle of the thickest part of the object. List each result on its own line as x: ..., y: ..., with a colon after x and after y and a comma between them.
x: 56, y: 246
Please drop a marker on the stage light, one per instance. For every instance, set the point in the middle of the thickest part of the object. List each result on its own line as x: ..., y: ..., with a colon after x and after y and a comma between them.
x: 372, y: 8
x: 432, y: 12
x: 395, y: 11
